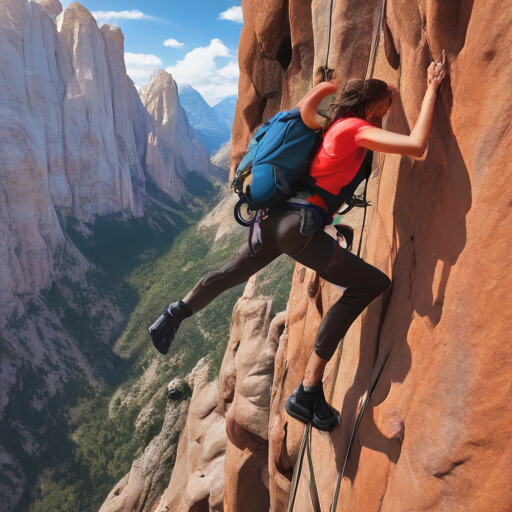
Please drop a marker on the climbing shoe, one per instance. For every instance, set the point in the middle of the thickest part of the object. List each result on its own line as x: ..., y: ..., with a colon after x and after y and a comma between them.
x: 162, y: 332
x: 310, y: 407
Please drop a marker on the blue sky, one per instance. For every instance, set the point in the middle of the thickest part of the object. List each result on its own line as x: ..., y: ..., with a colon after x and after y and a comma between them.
x: 202, y: 40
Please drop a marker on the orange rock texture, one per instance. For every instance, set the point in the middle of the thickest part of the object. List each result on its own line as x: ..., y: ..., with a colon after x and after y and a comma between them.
x: 245, y: 386
x: 197, y: 482
x: 222, y: 460
x: 436, y: 433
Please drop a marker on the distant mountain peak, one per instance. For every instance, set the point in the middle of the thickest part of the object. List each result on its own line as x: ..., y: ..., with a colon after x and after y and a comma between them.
x: 214, y: 128
x: 225, y: 109
x: 186, y: 88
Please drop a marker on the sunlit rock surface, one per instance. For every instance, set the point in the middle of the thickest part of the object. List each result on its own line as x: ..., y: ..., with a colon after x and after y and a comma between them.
x: 245, y: 382
x: 222, y: 457
x: 275, y: 58
x: 31, y: 158
x: 140, y: 489
x: 97, y: 168
x: 222, y: 158
x: 197, y: 482
x: 434, y: 434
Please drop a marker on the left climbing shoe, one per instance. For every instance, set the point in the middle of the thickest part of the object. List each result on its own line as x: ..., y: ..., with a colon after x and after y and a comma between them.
x: 162, y: 332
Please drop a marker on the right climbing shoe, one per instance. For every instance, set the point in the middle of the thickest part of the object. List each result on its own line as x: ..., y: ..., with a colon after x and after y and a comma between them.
x: 162, y: 332
x: 311, y: 407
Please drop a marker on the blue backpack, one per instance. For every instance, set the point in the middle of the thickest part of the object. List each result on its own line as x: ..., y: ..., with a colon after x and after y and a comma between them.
x: 276, y: 156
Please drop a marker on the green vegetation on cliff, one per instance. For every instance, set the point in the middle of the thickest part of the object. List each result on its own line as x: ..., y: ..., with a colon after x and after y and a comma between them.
x: 113, y: 425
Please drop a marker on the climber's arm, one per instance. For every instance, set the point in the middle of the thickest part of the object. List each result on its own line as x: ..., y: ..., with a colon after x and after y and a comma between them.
x: 309, y: 104
x: 414, y: 144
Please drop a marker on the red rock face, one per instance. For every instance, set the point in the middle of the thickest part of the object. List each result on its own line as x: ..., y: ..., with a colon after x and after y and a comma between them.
x: 275, y: 58
x: 197, y: 480
x: 436, y: 433
x: 245, y: 383
x: 222, y: 459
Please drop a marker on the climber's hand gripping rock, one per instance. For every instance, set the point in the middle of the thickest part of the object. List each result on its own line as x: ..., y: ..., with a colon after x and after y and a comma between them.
x: 436, y: 72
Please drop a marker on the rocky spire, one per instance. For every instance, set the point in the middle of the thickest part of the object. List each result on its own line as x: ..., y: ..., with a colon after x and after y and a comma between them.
x: 174, y: 148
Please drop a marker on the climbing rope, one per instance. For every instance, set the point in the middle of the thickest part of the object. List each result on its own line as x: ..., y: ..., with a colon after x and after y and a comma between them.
x: 372, y: 57
x: 363, y: 402
x: 305, y: 447
x: 368, y: 74
x: 313, y: 491
x: 326, y: 68
x: 294, y: 484
x: 370, y: 64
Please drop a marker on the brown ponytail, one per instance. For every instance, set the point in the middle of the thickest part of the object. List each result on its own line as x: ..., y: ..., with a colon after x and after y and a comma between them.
x: 359, y: 98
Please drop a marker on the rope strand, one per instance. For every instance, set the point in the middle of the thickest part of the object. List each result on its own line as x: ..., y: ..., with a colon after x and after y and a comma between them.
x: 328, y: 44
x: 370, y: 65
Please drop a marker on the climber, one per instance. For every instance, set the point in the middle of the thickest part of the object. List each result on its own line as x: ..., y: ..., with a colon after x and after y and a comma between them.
x: 353, y: 128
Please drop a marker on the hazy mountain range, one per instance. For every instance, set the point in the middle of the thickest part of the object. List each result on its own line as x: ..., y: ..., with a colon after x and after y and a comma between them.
x: 212, y: 123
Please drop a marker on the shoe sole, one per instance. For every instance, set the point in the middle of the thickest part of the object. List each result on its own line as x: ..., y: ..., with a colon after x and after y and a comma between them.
x: 296, y: 411
x: 325, y: 426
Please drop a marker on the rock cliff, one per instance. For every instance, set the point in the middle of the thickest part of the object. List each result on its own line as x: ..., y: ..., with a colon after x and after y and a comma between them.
x: 174, y: 148
x: 435, y: 434
x: 222, y: 158
x: 75, y: 139
x: 222, y: 461
x: 99, y: 149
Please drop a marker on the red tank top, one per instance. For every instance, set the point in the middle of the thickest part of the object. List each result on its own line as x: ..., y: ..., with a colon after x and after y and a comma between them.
x: 339, y: 157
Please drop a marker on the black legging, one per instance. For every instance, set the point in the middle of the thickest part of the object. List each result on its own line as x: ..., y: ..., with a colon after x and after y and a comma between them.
x: 280, y: 234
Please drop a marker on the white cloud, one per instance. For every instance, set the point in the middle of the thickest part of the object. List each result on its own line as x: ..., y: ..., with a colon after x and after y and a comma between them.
x: 140, y: 66
x: 173, y: 43
x: 230, y: 71
x: 200, y: 69
x: 113, y: 16
x: 233, y: 14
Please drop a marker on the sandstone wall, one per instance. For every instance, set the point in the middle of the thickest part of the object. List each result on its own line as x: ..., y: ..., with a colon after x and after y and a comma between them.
x: 222, y: 458
x: 436, y: 432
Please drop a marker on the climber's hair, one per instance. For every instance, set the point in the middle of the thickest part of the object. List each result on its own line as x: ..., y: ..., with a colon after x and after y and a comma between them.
x: 360, y: 98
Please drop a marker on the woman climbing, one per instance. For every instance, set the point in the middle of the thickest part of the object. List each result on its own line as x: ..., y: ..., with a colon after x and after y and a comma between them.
x: 355, y: 127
